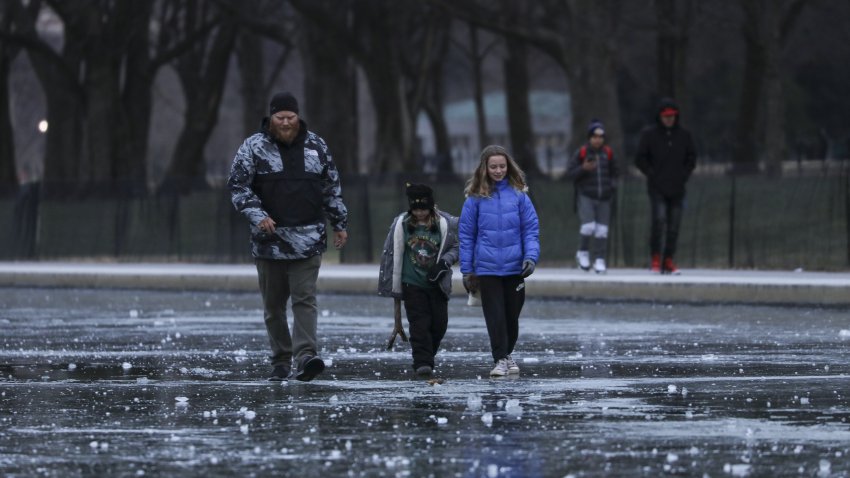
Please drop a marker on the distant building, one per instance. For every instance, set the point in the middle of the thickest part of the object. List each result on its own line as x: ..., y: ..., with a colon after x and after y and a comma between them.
x: 551, y: 122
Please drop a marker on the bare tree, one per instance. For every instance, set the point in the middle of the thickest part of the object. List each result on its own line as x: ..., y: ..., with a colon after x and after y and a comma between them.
x: 203, y: 72
x: 579, y: 35
x: 330, y: 89
x: 766, y: 28
x: 329, y: 77
x: 57, y: 72
x: 8, y: 52
x: 674, y: 20
x: 382, y: 36
x: 427, y: 61
x: 476, y: 55
x: 259, y: 65
x: 97, y: 82
x: 517, y: 92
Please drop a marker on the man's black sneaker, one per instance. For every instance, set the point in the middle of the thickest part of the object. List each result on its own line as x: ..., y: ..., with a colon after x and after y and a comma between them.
x: 309, y: 368
x: 424, y: 371
x: 279, y: 374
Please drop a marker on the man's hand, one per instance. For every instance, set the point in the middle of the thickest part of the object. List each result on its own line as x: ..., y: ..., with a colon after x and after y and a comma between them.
x: 267, y: 225
x: 470, y: 283
x: 340, y: 238
x: 588, y: 165
x: 527, y: 268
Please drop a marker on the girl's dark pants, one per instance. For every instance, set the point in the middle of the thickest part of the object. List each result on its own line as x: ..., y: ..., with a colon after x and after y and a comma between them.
x: 428, y: 316
x: 502, y: 298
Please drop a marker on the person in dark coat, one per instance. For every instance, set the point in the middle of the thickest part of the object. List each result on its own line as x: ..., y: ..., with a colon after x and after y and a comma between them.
x: 667, y: 157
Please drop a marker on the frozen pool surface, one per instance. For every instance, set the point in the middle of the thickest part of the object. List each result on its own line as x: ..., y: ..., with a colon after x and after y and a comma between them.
x: 122, y: 383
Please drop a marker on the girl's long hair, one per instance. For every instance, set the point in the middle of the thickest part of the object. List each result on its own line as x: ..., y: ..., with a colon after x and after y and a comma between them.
x: 433, y: 224
x: 480, y: 183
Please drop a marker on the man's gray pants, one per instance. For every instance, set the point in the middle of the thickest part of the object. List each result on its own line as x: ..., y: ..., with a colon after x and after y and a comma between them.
x: 280, y: 280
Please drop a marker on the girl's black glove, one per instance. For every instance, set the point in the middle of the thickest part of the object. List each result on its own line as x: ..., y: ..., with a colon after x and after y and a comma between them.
x: 470, y: 283
x: 527, y: 268
x: 437, y: 270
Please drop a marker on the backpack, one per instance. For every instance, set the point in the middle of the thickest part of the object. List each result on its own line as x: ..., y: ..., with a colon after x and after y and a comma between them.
x: 582, y: 153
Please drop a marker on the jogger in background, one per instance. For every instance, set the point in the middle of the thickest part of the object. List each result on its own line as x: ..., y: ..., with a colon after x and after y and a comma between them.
x: 594, y: 172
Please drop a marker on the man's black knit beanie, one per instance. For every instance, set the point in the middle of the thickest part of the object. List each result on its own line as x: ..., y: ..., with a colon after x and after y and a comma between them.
x: 283, y: 102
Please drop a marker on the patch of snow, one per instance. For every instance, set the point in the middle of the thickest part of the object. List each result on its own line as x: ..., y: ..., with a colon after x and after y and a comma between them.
x: 487, y: 418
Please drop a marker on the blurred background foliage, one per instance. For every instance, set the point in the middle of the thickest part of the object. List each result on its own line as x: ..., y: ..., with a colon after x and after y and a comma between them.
x: 119, y: 119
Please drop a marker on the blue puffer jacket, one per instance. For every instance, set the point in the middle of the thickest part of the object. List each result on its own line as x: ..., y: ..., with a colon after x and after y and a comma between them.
x: 498, y: 233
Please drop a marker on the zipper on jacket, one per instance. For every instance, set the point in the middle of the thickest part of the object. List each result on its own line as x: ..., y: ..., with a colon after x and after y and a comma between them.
x: 598, y: 177
x: 499, y: 205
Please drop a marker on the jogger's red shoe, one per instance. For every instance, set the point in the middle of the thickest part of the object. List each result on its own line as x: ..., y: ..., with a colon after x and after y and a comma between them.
x: 655, y: 268
x: 670, y: 266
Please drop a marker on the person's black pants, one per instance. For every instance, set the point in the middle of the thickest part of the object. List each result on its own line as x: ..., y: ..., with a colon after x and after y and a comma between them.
x: 502, y: 298
x: 666, y: 218
x: 428, y: 317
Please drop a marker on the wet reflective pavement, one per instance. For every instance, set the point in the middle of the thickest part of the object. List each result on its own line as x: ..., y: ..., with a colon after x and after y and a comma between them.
x: 123, y: 383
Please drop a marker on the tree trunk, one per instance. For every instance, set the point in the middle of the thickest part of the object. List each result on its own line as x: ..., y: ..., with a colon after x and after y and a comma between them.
x: 478, y: 88
x: 249, y: 55
x: 745, y: 156
x: 434, y: 112
x: 330, y: 89
x: 775, y: 144
x: 58, y: 79
x: 391, y: 152
x: 517, y: 92
x: 674, y: 20
x: 131, y: 132
x: 592, y: 74
x: 63, y: 148
x: 105, y: 33
x: 98, y: 95
x: 8, y: 173
x: 101, y: 117
x: 203, y: 77
x: 432, y: 101
x: 381, y: 36
x: 767, y: 24
x: 780, y: 18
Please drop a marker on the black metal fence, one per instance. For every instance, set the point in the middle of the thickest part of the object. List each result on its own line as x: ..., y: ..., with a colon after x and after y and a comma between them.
x: 798, y: 221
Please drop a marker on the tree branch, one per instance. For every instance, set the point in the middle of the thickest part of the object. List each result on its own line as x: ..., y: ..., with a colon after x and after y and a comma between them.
x: 545, y: 40
x: 789, y: 20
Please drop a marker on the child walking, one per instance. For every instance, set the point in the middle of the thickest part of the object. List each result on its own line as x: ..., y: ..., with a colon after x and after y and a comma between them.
x: 594, y: 172
x: 499, y: 248
x: 416, y: 261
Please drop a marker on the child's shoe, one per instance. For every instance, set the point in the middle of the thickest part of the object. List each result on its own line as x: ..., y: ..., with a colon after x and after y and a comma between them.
x: 513, y: 368
x: 501, y: 368
x: 424, y: 371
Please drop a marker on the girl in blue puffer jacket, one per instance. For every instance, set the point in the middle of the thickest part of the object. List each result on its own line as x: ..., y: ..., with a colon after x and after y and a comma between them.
x: 499, y: 248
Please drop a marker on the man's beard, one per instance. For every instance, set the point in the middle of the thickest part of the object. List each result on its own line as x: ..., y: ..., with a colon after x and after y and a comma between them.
x: 286, y: 135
